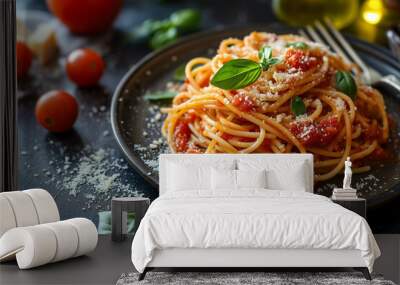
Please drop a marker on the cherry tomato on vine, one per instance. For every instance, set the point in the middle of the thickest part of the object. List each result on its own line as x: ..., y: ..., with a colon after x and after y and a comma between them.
x: 85, y: 67
x: 57, y: 111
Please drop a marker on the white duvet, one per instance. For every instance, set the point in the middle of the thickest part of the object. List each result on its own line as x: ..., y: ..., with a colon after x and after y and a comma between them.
x: 250, y: 219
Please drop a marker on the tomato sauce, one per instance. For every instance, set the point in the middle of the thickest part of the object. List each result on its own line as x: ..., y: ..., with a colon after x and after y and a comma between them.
x: 189, y: 117
x: 182, y: 136
x: 298, y: 59
x: 243, y: 103
x: 312, y: 134
x: 226, y: 136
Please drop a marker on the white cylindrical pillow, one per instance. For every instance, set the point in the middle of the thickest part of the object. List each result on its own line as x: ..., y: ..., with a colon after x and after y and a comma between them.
x: 7, y: 218
x: 33, y: 246
x: 40, y: 244
x: 66, y: 238
x: 23, y: 208
x: 87, y: 235
x: 45, y: 205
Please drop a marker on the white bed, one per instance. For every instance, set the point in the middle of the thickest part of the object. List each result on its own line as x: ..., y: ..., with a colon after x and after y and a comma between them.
x: 205, y: 226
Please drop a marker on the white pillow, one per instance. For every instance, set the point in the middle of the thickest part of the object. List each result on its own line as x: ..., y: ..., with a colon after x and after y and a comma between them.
x: 185, y: 175
x: 282, y: 174
x: 251, y: 178
x: 226, y: 179
x: 223, y: 179
x: 293, y: 180
x: 182, y: 177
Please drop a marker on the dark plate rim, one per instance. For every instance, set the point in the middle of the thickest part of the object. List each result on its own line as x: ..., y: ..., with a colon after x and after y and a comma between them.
x: 379, y: 52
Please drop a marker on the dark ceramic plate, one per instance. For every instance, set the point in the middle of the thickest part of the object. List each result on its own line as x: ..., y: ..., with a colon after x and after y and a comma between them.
x: 136, y: 123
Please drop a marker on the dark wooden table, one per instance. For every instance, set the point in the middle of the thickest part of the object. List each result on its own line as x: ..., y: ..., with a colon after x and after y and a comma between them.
x: 53, y: 161
x: 103, y: 266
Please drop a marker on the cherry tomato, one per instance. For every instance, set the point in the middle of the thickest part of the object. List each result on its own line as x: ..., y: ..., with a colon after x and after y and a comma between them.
x: 56, y: 111
x: 85, y: 67
x: 86, y: 16
x: 24, y: 59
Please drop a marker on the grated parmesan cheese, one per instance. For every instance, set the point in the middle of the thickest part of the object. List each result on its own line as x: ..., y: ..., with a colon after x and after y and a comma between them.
x: 340, y: 105
x: 280, y: 117
x: 303, y: 117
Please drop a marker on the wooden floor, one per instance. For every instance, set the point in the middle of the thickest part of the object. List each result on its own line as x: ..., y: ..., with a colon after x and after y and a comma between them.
x: 111, y: 259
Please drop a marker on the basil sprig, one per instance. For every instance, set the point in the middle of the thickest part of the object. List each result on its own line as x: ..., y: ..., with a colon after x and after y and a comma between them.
x: 160, y: 95
x: 345, y: 83
x: 298, y: 45
x: 298, y: 107
x: 239, y: 73
x: 159, y: 33
x: 236, y: 74
x: 266, y: 59
x: 265, y: 53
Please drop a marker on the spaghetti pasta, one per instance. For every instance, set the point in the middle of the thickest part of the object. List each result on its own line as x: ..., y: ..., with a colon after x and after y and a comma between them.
x: 260, y: 118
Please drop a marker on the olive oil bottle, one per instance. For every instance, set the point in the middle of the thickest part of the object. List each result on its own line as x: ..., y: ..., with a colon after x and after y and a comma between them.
x: 303, y: 12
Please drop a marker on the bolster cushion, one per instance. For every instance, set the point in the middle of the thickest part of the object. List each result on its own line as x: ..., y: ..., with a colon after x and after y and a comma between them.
x: 40, y: 244
x: 26, y: 208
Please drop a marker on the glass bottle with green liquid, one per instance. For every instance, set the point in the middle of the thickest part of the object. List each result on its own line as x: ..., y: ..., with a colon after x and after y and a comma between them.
x: 304, y: 12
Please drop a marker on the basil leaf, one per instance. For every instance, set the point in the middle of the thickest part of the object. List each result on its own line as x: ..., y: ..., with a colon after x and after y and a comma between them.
x: 179, y: 74
x: 298, y: 45
x: 148, y: 28
x: 297, y: 106
x: 345, y: 83
x: 236, y: 74
x: 269, y: 62
x: 162, y: 38
x: 160, y: 95
x: 186, y: 20
x: 265, y: 53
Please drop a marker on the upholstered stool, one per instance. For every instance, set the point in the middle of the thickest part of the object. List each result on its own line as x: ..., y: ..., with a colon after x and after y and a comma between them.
x: 119, y: 214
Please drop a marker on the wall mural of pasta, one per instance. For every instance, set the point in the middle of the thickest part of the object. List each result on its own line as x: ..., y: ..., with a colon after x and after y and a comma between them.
x: 95, y: 108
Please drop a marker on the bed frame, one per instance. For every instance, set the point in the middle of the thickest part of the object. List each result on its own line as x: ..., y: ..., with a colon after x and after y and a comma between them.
x: 242, y: 259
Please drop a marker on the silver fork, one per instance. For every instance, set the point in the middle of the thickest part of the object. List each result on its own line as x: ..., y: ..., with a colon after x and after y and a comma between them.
x: 328, y: 35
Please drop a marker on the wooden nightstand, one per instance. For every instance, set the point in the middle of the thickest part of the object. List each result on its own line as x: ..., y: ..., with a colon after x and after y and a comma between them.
x: 358, y: 205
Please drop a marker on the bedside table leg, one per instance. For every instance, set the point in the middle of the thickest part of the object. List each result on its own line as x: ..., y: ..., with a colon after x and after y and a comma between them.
x: 364, y: 271
x: 143, y: 274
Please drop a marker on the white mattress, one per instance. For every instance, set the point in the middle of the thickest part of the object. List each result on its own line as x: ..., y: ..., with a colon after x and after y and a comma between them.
x: 256, y: 218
